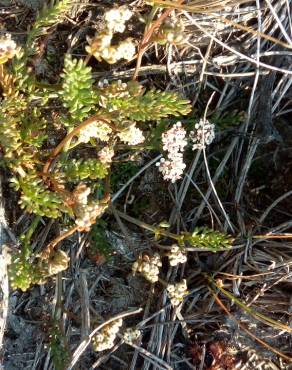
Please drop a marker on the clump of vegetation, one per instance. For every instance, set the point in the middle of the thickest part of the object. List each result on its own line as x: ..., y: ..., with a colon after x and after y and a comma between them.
x: 78, y: 149
x: 102, y: 119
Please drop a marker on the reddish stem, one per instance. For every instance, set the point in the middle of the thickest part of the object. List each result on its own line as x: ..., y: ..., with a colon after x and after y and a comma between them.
x: 61, y: 145
x: 147, y: 36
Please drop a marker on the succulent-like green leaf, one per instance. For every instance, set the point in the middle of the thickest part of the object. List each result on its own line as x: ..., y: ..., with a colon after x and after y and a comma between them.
x: 77, y: 90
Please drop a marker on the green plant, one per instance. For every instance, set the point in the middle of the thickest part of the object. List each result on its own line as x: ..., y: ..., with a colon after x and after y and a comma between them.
x: 226, y: 120
x: 77, y: 90
x: 58, y: 346
x: 99, y: 247
x: 95, y: 123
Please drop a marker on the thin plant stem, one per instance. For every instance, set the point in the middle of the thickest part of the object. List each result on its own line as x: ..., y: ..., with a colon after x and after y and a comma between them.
x: 76, y: 130
x: 149, y: 30
x: 26, y: 249
x: 51, y: 246
x: 155, y: 230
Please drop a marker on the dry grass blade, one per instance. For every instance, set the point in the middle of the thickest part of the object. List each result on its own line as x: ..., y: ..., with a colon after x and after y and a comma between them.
x: 234, y: 51
x: 266, y: 345
x: 264, y: 319
x: 214, y: 6
x: 201, y: 6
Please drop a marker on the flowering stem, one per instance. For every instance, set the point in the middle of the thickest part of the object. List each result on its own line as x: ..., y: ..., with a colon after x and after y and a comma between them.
x: 51, y: 246
x: 155, y: 230
x: 147, y: 37
x: 273, y: 236
x: 77, y: 129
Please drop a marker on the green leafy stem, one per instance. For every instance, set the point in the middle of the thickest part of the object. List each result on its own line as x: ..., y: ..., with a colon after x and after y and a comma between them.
x: 201, y: 237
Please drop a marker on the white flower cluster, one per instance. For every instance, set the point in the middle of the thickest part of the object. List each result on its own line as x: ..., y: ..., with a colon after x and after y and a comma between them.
x: 126, y: 49
x: 81, y: 193
x: 177, y: 292
x: 8, y: 48
x: 106, y: 337
x: 131, y: 335
x: 131, y: 135
x: 117, y: 17
x: 100, y: 46
x: 106, y: 154
x: 174, y: 142
x: 176, y: 255
x: 85, y: 213
x: 203, y: 134
x: 97, y: 129
x: 148, y: 267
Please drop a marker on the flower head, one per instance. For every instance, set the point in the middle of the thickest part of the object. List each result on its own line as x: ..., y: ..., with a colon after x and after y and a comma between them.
x: 106, y: 154
x: 176, y: 255
x: 131, y: 335
x: 172, y: 169
x: 174, y: 142
x: 96, y: 129
x: 101, y: 47
x: 126, y: 49
x: 177, y: 292
x: 148, y: 266
x: 86, y: 214
x: 132, y: 135
x: 81, y: 193
x: 203, y: 135
x: 98, y: 43
x: 172, y: 31
x: 106, y: 337
x: 8, y: 48
x: 117, y: 17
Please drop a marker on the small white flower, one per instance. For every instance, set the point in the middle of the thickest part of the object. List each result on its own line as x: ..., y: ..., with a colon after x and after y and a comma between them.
x: 203, y: 135
x: 106, y: 337
x: 86, y: 214
x: 126, y: 49
x: 81, y: 193
x: 173, y: 31
x: 106, y: 154
x: 132, y: 135
x: 131, y: 335
x: 8, y: 48
x: 98, y: 130
x: 176, y: 255
x: 103, y: 83
x: 99, y: 43
x: 110, y: 54
x: 148, y: 266
x: 177, y: 292
x: 172, y: 169
x: 174, y: 142
x: 117, y: 17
